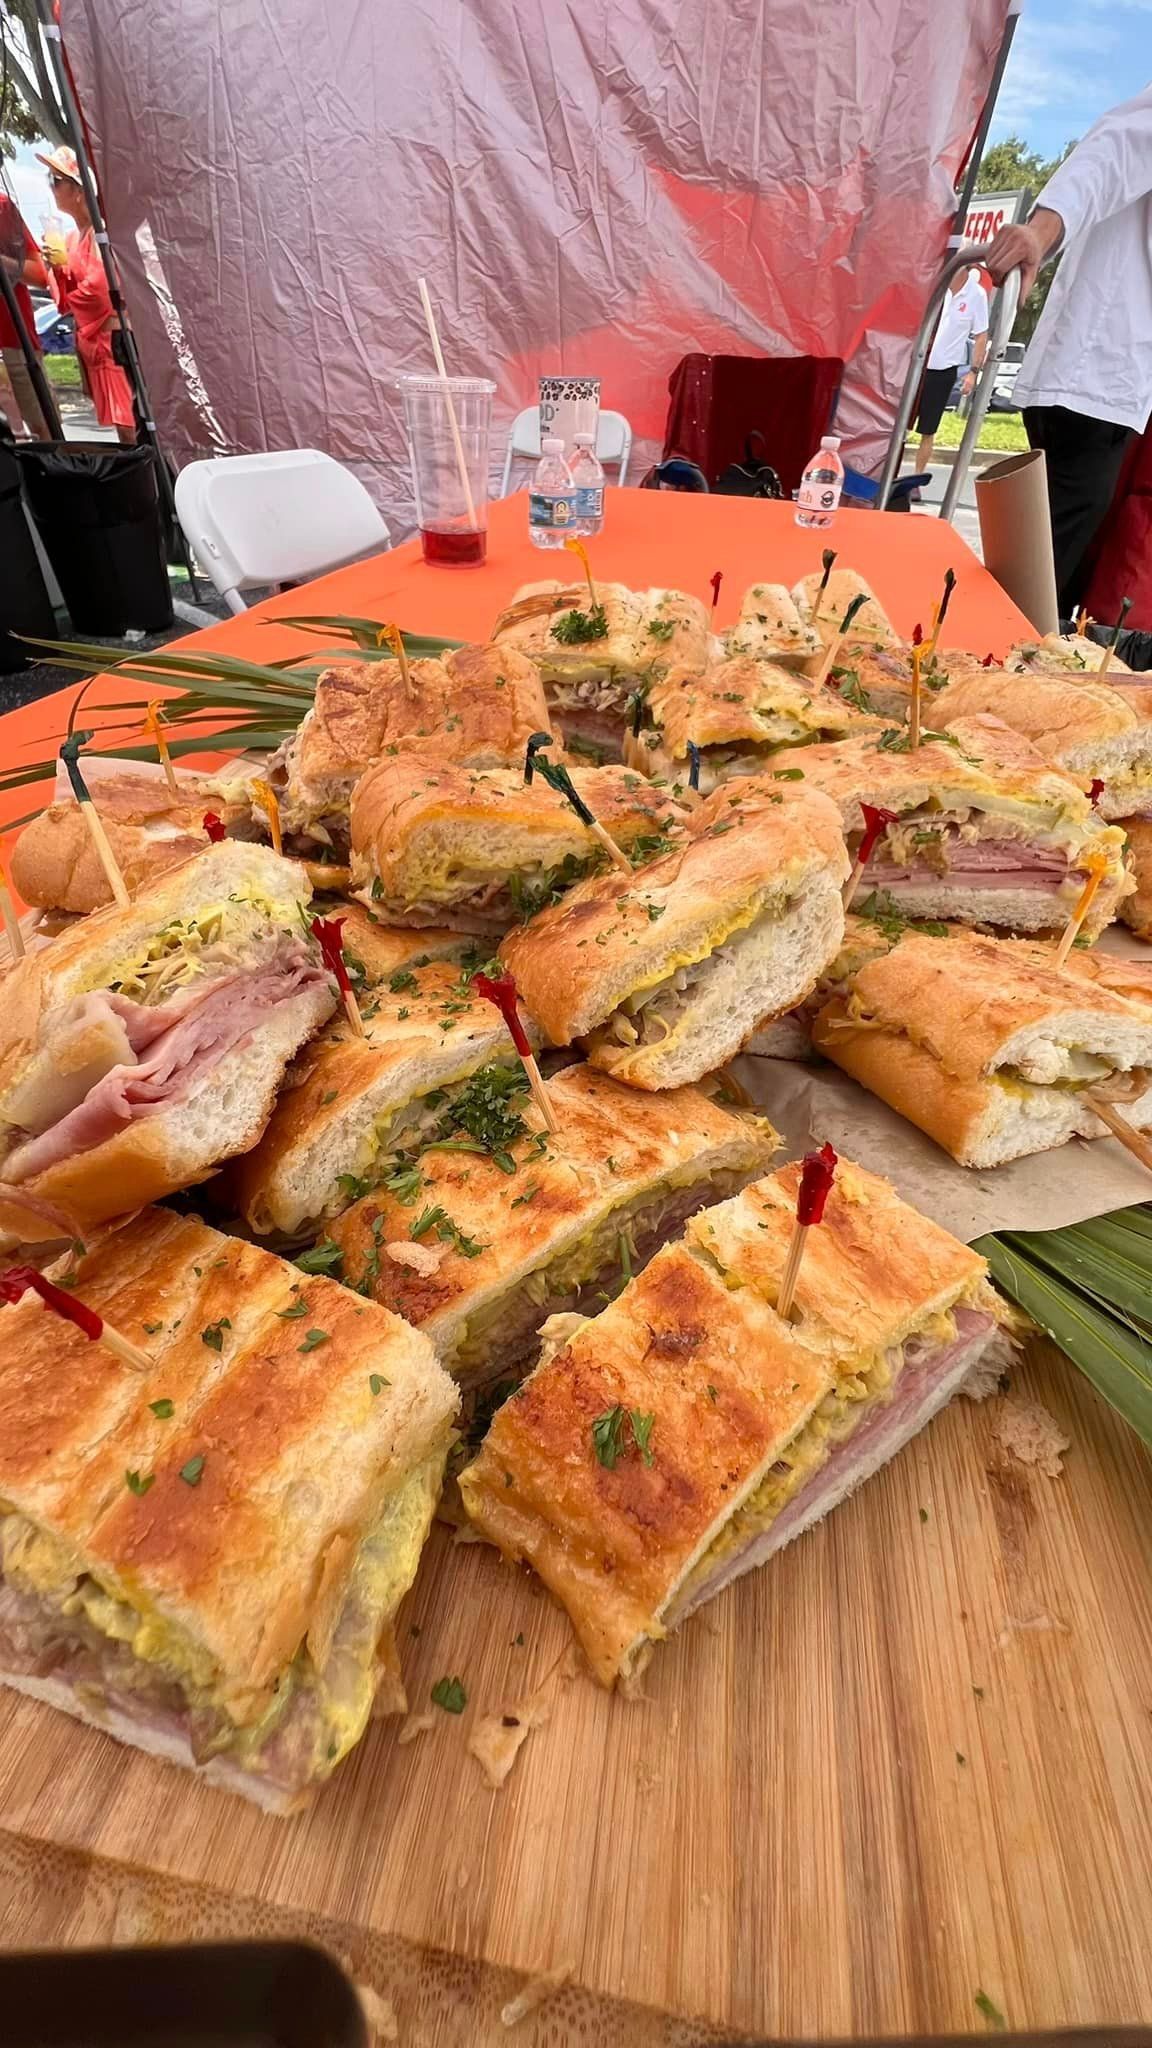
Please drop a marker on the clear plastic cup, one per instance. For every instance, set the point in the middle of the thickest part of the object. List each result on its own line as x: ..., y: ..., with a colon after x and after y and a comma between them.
x: 448, y: 422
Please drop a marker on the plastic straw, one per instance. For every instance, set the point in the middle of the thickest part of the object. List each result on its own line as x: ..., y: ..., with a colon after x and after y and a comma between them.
x: 434, y: 338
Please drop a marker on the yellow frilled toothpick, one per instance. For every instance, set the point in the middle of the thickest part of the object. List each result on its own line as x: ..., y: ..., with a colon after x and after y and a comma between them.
x: 577, y: 547
x: 1097, y: 866
x: 395, y: 639
x: 269, y: 803
x: 153, y: 717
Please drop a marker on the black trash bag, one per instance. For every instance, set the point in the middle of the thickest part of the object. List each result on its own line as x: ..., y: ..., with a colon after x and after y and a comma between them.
x: 752, y: 478
x: 98, y: 513
x: 25, y: 606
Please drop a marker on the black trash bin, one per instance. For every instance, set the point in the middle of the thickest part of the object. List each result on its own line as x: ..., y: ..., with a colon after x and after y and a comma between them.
x: 99, y: 518
x: 25, y: 606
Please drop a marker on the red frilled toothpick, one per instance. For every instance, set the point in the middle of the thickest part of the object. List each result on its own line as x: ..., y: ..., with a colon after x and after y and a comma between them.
x: 327, y: 937
x: 501, y: 990
x: 1095, y: 792
x: 14, y: 1284
x: 716, y: 581
x: 214, y: 827
x: 816, y: 1177
x: 876, y: 819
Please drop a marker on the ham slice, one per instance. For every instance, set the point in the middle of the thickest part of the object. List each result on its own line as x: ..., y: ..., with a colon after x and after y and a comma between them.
x: 931, y: 1375
x: 984, y: 864
x: 180, y: 1041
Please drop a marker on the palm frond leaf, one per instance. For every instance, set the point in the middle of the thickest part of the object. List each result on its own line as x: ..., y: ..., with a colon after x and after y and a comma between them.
x: 1090, y: 1287
x: 365, y: 632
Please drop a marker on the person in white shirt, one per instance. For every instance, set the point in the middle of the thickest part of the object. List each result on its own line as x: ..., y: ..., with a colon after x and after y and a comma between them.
x: 963, y: 318
x: 1085, y: 385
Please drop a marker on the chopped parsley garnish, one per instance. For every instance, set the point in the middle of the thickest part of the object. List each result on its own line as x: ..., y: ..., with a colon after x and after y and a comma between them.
x: 649, y: 846
x: 608, y: 1437
x: 377, y: 1382
x: 487, y: 1111
x: 655, y: 910
x: 139, y: 1482
x: 449, y: 1694
x: 313, y: 1340
x: 163, y: 1409
x: 213, y: 1333
x: 530, y: 897
x: 923, y: 1514
x: 330, y: 1097
x: 882, y: 909
x: 324, y: 1257
x: 642, y: 1433
x: 625, y: 1250
x: 352, y: 1186
x: 377, y: 884
x: 897, y: 740
x: 992, y: 2013
x: 787, y: 775
x: 852, y: 690
x: 438, y: 1219
x: 290, y: 1315
x: 574, y: 628
x: 529, y: 1195
x: 190, y: 1473
x: 662, y: 629
x: 405, y: 1185
x: 711, y: 1392
x: 718, y: 831
x: 401, y: 980
x: 150, y: 1329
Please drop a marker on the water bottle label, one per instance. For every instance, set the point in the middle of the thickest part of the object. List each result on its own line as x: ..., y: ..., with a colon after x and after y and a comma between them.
x: 546, y: 508
x: 820, y: 490
x: 590, y: 501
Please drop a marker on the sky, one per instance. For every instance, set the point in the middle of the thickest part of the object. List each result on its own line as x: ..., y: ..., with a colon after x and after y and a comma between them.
x: 1071, y: 61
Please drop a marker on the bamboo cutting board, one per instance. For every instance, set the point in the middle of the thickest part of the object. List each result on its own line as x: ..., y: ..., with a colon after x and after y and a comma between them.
x: 908, y: 1763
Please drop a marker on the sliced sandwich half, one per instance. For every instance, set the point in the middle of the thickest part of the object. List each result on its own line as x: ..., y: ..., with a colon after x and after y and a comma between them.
x: 770, y: 628
x: 205, y: 1560
x: 687, y: 1433
x: 986, y: 831
x: 825, y: 613
x: 992, y: 1052
x: 738, y: 713
x: 664, y: 979
x: 593, y: 656
x: 478, y: 706
x: 1072, y: 652
x: 54, y: 861
x: 478, y: 1250
x: 1094, y: 730
x: 351, y: 1107
x: 146, y: 1045
x: 480, y: 849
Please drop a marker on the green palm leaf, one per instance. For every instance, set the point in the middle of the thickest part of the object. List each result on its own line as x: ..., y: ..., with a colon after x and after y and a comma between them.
x: 1079, y: 1292
x: 365, y: 632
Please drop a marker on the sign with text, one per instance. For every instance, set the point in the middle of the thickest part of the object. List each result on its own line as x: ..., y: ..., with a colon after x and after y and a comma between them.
x: 991, y: 211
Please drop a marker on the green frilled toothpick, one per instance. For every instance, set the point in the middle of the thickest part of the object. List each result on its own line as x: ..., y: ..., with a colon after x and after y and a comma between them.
x: 559, y: 779
x: 70, y: 755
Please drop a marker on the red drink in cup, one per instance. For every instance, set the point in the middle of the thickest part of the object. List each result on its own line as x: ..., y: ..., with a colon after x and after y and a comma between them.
x: 454, y: 547
x: 448, y: 420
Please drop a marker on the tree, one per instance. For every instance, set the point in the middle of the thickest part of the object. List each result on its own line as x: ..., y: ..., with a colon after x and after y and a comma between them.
x: 1010, y: 166
x: 28, y: 104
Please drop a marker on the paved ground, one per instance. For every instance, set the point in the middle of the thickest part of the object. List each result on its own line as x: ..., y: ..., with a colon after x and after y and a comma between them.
x: 965, y: 520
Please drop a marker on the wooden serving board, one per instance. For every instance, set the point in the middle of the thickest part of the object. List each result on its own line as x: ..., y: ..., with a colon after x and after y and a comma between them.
x: 909, y: 1762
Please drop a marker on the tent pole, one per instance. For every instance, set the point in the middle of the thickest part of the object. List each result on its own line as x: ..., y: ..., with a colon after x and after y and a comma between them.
x: 55, y: 46
x: 979, y: 142
x: 40, y: 382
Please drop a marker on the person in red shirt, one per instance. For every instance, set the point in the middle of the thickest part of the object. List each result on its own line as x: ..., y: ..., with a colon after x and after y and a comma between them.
x: 80, y: 285
x: 21, y: 260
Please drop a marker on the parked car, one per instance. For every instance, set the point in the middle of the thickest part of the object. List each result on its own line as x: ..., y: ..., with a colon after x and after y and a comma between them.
x: 1004, y: 388
x: 54, y: 330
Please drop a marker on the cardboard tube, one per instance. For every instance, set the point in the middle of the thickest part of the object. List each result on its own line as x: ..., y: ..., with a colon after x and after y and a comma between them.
x: 1012, y: 499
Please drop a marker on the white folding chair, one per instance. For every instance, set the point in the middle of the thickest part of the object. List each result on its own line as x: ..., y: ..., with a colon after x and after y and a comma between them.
x: 276, y: 518
x: 613, y: 442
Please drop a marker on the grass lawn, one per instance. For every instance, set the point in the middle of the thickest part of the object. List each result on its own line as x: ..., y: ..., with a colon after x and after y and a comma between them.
x: 62, y: 372
x: 1003, y: 431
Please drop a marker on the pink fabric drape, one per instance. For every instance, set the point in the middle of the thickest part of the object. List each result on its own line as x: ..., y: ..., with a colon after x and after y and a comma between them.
x: 591, y: 186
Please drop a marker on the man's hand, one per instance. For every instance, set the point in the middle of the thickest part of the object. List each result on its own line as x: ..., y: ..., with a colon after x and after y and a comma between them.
x: 1024, y: 248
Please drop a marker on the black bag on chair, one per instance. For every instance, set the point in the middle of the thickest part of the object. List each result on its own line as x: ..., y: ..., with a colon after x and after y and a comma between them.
x: 752, y: 478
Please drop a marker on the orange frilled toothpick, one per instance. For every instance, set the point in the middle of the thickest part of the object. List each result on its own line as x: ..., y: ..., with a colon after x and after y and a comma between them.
x: 1097, y: 866
x: 269, y: 803
x: 153, y: 717
x: 395, y: 639
x: 577, y: 547
x: 15, y: 1283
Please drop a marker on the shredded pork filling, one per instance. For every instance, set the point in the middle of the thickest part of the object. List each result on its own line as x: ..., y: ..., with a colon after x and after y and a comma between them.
x: 652, y: 1014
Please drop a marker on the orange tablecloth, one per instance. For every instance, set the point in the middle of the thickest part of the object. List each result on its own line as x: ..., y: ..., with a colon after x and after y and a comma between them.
x: 650, y: 538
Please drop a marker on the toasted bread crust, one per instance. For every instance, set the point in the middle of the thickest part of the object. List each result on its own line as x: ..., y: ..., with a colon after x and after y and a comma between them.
x: 748, y: 844
x: 743, y: 699
x: 55, y: 865
x: 297, y: 1451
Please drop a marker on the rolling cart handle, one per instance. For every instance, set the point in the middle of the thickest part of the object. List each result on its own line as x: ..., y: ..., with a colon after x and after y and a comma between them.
x: 1005, y: 305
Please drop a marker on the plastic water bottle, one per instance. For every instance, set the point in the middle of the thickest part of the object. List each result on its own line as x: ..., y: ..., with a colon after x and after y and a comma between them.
x: 552, y: 499
x: 588, y: 478
x: 821, y: 485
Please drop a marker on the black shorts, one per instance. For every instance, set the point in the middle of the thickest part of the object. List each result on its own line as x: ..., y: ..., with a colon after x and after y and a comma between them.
x: 934, y: 395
